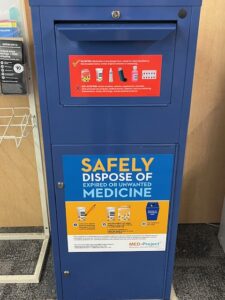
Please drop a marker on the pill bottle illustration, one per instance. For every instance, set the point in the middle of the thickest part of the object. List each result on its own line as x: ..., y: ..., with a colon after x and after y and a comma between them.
x: 81, y: 213
x: 111, y: 213
x: 85, y: 75
x: 110, y: 75
x: 134, y: 74
x: 99, y: 74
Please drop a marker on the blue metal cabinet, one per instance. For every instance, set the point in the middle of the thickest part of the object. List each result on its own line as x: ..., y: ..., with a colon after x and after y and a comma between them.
x: 115, y: 85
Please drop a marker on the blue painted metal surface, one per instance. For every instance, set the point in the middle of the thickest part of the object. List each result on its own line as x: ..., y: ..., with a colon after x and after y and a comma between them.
x: 166, y: 3
x: 94, y: 126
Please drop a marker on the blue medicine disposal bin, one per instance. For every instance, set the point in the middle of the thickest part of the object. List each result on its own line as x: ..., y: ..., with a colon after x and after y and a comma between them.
x: 115, y: 80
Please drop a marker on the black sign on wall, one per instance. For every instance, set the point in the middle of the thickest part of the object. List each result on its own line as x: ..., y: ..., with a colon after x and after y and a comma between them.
x: 12, y: 73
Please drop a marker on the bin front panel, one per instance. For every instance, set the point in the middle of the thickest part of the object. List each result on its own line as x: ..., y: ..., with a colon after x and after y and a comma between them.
x: 124, y: 255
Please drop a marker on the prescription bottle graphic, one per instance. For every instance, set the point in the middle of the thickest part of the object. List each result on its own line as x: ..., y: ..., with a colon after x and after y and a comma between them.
x: 99, y: 74
x: 111, y: 213
x: 81, y: 213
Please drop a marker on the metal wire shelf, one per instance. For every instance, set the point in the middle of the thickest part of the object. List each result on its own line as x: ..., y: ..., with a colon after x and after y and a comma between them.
x: 15, y: 124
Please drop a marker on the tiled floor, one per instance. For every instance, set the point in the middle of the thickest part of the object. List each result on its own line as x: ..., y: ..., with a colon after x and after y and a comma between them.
x: 199, y: 269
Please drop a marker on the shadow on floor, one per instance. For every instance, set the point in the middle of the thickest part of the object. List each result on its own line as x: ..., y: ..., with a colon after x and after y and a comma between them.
x: 200, y: 264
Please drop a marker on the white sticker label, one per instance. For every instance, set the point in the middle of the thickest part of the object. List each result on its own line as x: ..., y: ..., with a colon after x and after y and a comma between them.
x: 118, y: 243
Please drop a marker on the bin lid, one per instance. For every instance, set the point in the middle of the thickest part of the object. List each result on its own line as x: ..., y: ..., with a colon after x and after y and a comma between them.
x: 116, y: 3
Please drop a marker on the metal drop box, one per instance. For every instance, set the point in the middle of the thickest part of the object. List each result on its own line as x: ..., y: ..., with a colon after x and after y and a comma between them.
x: 115, y: 81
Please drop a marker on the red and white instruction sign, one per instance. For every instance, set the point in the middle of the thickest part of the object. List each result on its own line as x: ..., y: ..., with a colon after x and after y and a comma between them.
x: 115, y: 75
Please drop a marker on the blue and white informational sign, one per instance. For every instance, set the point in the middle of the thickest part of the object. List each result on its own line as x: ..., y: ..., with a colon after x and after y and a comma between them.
x: 117, y: 202
x: 118, y: 177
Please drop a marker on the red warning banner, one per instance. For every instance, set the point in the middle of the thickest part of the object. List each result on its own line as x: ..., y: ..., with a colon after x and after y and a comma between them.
x: 115, y: 75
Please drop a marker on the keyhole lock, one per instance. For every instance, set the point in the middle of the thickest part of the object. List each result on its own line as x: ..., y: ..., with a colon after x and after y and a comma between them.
x: 116, y: 14
x: 66, y: 273
x: 60, y: 185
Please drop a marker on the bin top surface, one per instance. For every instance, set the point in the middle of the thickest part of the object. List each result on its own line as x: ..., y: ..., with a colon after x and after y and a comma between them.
x: 115, y: 2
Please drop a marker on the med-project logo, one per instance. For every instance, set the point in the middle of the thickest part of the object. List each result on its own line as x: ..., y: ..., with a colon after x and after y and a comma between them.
x: 144, y: 244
